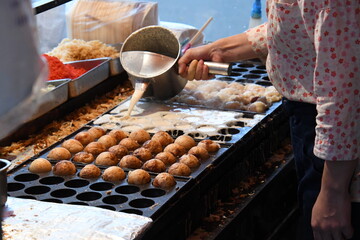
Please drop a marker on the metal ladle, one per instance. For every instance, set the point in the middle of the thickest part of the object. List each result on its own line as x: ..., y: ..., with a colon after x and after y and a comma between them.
x: 149, y: 56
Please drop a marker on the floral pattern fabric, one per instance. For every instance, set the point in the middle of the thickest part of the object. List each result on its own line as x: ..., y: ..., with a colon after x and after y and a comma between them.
x: 313, y: 51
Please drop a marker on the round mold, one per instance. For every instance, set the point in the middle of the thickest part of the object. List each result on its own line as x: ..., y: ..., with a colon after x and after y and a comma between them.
x: 236, y: 69
x: 246, y: 65
x: 153, y: 192
x: 13, y: 187
x: 264, y: 83
x: 251, y: 76
x: 127, y: 189
x: 77, y: 183
x: 133, y: 211
x: 53, y: 180
x: 198, y: 135
x: 37, y: 190
x: 175, y: 132
x: 261, y: 67
x: 63, y: 193
x: 107, y: 207
x: 225, y: 78
x: 221, y: 138
x: 141, y: 203
x: 78, y: 203
x: 235, y: 124
x: 235, y: 74
x: 258, y: 72
x: 115, y: 199
x: 231, y: 131
x: 26, y: 177
x: 244, y: 81
x: 26, y: 197
x: 53, y: 200
x: 101, y: 186
x: 88, y: 196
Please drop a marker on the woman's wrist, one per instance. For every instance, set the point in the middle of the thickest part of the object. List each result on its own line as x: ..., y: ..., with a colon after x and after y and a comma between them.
x: 337, y: 176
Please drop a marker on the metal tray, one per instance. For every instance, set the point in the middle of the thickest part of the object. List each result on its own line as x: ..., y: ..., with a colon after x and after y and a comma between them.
x: 115, y: 64
x: 53, y: 98
x: 248, y: 72
x: 145, y: 200
x: 229, y: 128
x: 97, y: 71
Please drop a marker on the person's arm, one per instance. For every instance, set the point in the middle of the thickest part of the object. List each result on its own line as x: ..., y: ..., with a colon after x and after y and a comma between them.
x: 229, y: 49
x: 336, y: 87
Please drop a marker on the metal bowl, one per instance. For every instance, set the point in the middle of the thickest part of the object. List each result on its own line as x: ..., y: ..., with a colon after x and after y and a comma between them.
x: 156, y: 50
x: 4, y: 165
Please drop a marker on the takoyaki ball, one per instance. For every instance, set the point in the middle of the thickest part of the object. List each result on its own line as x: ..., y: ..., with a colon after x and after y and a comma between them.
x: 40, y: 165
x: 143, y: 154
x: 264, y: 100
x: 140, y: 136
x: 83, y: 157
x: 209, y: 145
x: 179, y: 169
x: 113, y: 174
x: 119, y: 151
x: 118, y: 134
x: 97, y: 132
x: 73, y: 145
x: 190, y: 160
x: 129, y: 143
x: 163, y: 137
x: 84, y: 137
x: 154, y: 165
x: 59, y: 153
x: 95, y: 148
x: 153, y: 145
x: 199, y: 152
x: 130, y: 161
x: 90, y: 171
x: 166, y: 157
x: 164, y: 181
x: 233, y: 105
x: 107, y: 159
x: 108, y: 141
x: 186, y: 141
x: 258, y: 107
x: 138, y: 177
x: 64, y: 168
x: 176, y: 149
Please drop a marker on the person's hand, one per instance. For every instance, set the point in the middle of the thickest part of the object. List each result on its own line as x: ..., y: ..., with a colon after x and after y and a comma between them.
x: 191, y: 64
x: 229, y: 49
x: 331, y: 217
x: 331, y: 214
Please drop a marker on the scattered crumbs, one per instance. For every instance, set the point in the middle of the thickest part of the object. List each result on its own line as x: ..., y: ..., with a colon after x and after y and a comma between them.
x: 154, y: 205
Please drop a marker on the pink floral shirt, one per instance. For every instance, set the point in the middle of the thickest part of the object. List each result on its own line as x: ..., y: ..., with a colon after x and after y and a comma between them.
x: 312, y: 52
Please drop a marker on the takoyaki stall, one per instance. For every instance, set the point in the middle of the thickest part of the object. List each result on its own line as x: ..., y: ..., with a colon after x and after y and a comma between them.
x: 121, y: 147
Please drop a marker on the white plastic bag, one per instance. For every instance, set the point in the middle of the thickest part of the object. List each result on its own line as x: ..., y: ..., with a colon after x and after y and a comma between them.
x: 51, y: 26
x: 23, y: 72
x: 109, y: 21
